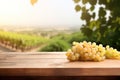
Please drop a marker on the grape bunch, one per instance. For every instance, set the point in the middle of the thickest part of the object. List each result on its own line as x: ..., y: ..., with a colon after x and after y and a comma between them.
x: 87, y: 51
x: 112, y: 53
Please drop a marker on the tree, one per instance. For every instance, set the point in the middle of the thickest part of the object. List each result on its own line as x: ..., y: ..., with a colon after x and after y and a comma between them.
x: 98, y: 27
x: 106, y: 30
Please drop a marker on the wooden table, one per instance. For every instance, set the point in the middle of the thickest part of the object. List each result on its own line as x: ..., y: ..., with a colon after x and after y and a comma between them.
x: 53, y: 64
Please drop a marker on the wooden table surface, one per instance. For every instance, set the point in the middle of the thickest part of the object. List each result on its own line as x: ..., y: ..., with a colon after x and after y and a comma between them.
x: 53, y: 64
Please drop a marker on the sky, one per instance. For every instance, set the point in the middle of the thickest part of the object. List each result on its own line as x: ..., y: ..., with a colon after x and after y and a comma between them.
x: 44, y: 12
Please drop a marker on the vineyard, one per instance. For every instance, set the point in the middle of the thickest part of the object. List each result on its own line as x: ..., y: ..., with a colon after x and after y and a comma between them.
x: 22, y: 42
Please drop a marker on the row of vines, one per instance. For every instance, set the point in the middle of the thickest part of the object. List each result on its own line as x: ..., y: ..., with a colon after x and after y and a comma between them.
x: 22, y: 42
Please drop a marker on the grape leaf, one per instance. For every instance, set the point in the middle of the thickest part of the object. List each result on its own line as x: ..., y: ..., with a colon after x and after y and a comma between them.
x: 84, y: 1
x: 76, y: 1
x: 33, y: 2
x: 77, y: 8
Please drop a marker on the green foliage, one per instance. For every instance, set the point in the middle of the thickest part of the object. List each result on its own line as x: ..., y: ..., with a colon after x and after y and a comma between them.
x: 102, y: 29
x: 76, y: 1
x: 77, y: 36
x: 77, y: 8
x: 56, y: 45
x: 84, y: 1
x: 62, y: 42
x: 62, y: 36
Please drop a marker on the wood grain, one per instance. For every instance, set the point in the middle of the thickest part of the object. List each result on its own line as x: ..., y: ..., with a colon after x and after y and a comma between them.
x: 53, y: 64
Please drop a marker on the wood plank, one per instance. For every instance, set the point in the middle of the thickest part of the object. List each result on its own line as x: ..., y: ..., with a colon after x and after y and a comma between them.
x: 60, y: 78
x: 33, y: 53
x: 60, y: 72
x: 53, y: 64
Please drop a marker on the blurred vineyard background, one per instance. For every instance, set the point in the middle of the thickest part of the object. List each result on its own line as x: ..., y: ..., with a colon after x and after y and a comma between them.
x: 39, y: 39
x: 102, y: 27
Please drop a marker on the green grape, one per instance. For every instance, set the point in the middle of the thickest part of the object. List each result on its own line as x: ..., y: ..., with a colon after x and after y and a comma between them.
x: 88, y: 51
x: 112, y: 53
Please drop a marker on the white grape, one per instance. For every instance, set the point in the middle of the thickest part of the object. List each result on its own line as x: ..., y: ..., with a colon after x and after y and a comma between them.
x: 88, y: 51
